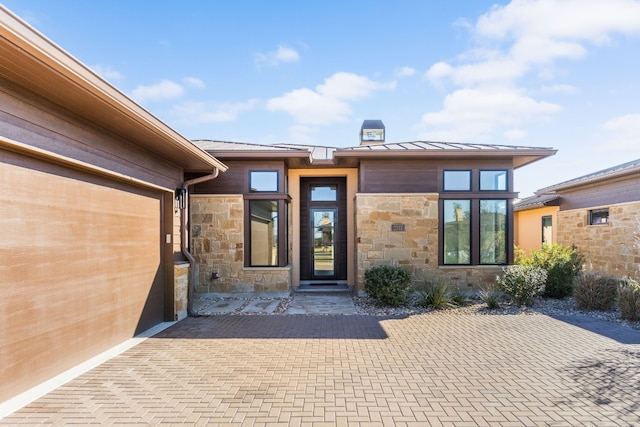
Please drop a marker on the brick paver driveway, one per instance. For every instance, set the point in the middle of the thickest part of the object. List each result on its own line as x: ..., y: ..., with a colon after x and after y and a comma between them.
x: 431, y: 369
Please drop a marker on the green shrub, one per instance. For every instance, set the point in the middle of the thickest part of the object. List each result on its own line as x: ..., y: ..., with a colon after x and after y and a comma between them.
x: 629, y: 299
x: 522, y: 282
x: 459, y: 298
x: 435, y: 293
x: 491, y: 297
x: 593, y: 291
x: 562, y: 263
x: 388, y: 284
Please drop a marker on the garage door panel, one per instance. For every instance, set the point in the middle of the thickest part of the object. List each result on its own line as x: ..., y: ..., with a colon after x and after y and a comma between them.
x: 81, y: 264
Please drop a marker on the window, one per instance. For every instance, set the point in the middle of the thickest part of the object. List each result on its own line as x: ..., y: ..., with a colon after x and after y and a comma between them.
x: 263, y: 181
x: 547, y: 229
x: 324, y: 193
x: 493, y: 228
x: 598, y: 216
x: 493, y: 180
x: 264, y: 232
x: 457, y: 180
x: 457, y: 231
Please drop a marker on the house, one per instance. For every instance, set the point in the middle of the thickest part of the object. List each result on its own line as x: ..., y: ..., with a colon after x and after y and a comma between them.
x: 536, y: 220
x: 290, y: 217
x: 598, y: 212
x: 91, y: 234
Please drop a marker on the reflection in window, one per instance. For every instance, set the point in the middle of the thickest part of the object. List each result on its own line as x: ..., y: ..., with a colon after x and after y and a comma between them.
x: 457, y: 180
x: 263, y: 181
x: 547, y: 229
x: 457, y: 231
x: 598, y: 216
x: 493, y: 228
x: 323, y: 193
x: 264, y: 232
x: 493, y: 180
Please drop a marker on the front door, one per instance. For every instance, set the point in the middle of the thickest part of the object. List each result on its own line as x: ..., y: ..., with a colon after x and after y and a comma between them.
x: 323, y: 231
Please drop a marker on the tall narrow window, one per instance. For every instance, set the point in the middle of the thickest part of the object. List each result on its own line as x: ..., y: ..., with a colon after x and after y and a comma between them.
x: 493, y: 229
x: 547, y: 229
x: 264, y: 232
x: 457, y: 231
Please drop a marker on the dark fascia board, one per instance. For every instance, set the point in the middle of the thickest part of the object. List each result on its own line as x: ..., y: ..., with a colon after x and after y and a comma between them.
x: 70, y: 84
x: 520, y: 157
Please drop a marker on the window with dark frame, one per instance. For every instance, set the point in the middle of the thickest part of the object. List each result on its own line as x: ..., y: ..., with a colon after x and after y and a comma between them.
x: 456, y: 180
x: 263, y: 181
x: 547, y: 229
x: 266, y: 221
x: 493, y: 180
x: 598, y: 216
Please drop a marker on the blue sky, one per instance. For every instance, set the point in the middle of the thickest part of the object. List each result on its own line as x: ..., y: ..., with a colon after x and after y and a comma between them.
x: 546, y: 73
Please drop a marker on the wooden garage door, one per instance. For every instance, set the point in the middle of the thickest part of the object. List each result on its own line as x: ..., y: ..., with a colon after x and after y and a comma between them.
x: 81, y: 268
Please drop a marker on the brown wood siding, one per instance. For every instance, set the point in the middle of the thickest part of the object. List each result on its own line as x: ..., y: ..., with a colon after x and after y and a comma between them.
x: 602, y: 194
x: 81, y: 268
x: 236, y: 179
x: 28, y: 119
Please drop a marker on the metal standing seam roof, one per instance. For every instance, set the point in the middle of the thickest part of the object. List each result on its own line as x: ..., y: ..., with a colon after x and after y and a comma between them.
x: 536, y: 201
x: 612, y: 172
x: 438, y: 146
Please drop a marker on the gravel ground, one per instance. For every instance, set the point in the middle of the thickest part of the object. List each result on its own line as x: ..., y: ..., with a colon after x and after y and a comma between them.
x: 540, y: 306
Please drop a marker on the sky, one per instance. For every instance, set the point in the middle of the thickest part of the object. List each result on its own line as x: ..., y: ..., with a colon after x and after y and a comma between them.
x: 541, y: 73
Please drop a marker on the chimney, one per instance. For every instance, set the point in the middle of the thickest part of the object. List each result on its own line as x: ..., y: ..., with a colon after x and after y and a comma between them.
x: 372, y: 132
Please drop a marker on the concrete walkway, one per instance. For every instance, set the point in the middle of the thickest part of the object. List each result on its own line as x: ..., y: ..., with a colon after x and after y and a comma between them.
x: 436, y: 369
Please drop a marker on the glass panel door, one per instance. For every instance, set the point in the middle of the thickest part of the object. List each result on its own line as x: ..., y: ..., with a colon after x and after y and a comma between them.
x: 324, y: 230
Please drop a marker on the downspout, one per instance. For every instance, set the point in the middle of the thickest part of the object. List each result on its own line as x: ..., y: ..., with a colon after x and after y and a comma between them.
x: 183, y: 241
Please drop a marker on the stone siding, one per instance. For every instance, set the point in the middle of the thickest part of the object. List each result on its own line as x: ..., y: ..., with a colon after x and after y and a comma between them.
x: 611, y: 248
x: 378, y: 218
x: 217, y: 244
x: 181, y: 289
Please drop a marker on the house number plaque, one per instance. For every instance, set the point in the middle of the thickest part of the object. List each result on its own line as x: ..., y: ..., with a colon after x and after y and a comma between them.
x: 397, y: 227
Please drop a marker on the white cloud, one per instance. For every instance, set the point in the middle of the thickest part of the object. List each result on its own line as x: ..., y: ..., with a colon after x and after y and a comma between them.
x: 281, y: 55
x: 194, y: 82
x: 514, y: 134
x: 623, y: 131
x: 520, y: 40
x: 107, y: 72
x: 476, y: 113
x: 405, y: 72
x: 192, y: 113
x: 166, y: 89
x: 329, y: 102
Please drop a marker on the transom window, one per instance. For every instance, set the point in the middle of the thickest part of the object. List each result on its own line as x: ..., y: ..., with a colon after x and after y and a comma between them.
x: 324, y: 193
x: 457, y: 180
x: 493, y: 180
x: 263, y: 181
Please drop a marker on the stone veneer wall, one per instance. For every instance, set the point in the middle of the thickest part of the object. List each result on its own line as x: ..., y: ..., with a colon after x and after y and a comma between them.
x: 181, y: 289
x: 415, y: 248
x: 217, y: 244
x: 612, y: 248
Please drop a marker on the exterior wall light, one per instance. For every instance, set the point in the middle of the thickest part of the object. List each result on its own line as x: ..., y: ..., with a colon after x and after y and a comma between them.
x: 181, y: 198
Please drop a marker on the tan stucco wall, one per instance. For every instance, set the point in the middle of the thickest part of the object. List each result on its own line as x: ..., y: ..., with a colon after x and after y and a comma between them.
x: 528, y: 227
x: 217, y: 244
x: 612, y: 248
x: 415, y: 248
x: 351, y: 176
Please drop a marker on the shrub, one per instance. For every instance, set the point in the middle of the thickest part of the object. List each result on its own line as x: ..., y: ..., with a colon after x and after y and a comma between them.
x: 435, y: 293
x: 562, y: 263
x: 629, y: 299
x: 491, y: 297
x: 388, y: 284
x: 459, y: 298
x: 593, y: 291
x: 522, y: 282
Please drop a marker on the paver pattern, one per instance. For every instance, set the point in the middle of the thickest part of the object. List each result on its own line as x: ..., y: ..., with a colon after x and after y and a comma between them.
x: 434, y: 369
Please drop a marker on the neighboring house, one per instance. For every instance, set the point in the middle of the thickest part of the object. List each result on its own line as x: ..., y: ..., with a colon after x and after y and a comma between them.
x: 600, y: 214
x: 536, y: 221
x: 91, y: 250
x: 293, y: 217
